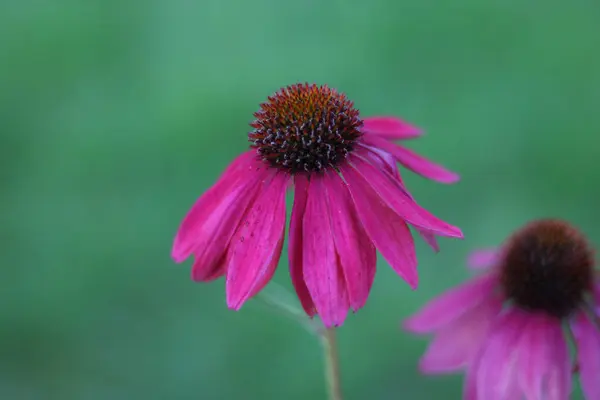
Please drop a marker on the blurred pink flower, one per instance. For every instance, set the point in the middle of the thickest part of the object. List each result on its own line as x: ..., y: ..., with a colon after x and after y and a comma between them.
x: 505, y: 326
x: 348, y: 200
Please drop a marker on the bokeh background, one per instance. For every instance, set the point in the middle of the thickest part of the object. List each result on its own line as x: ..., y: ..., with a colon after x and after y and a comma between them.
x: 116, y: 114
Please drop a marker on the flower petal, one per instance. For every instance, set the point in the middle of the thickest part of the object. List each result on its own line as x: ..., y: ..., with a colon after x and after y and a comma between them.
x: 455, y: 345
x: 451, y: 305
x: 386, y: 162
x: 497, y: 375
x: 414, y: 162
x: 390, y: 128
x: 596, y: 295
x: 482, y: 259
x: 218, y: 228
x: 256, y: 246
x: 543, y: 360
x: 356, y: 251
x: 395, y: 196
x: 429, y: 238
x: 322, y: 271
x: 385, y: 228
x: 192, y: 225
x: 207, y: 272
x: 587, y: 338
x: 382, y: 160
x: 295, y: 245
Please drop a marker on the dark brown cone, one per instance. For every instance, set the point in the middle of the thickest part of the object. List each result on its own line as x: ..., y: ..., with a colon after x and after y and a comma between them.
x: 305, y: 128
x: 547, y: 266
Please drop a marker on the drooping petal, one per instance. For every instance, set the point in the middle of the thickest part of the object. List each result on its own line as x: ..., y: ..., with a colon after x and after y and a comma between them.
x: 218, y: 228
x: 482, y: 259
x: 543, y: 359
x: 202, y: 273
x: 240, y: 170
x: 256, y: 245
x: 455, y: 345
x: 385, y: 228
x: 470, y: 385
x: 322, y: 270
x: 596, y: 296
x: 296, y: 244
x: 414, y: 162
x: 364, y: 177
x: 355, y: 250
x: 386, y: 162
x: 390, y: 128
x: 429, y: 238
x: 382, y: 160
x: 587, y: 338
x: 452, y: 304
x: 497, y: 372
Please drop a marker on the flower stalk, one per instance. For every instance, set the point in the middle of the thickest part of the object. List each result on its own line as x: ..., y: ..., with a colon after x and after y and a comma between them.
x: 332, y: 365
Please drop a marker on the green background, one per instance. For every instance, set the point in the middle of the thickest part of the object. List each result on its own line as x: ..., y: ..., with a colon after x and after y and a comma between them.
x: 116, y: 115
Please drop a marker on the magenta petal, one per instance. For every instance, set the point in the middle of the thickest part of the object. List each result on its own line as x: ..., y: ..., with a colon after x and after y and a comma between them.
x: 295, y: 245
x: 207, y: 272
x: 389, y: 191
x: 429, y: 238
x: 385, y: 228
x: 470, y: 385
x: 455, y: 345
x: 390, y: 128
x: 482, y: 259
x: 414, y: 162
x: 382, y: 160
x: 356, y: 251
x: 543, y: 359
x: 386, y: 162
x: 587, y: 338
x: 322, y: 271
x: 219, y: 227
x: 186, y: 240
x: 496, y: 375
x: 256, y: 247
x: 451, y: 305
x: 596, y: 296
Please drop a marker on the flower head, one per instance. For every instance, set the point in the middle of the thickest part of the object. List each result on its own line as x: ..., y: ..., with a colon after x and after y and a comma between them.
x: 505, y: 327
x: 348, y: 201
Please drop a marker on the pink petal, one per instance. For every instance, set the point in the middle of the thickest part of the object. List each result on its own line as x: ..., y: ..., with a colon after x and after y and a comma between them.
x: 596, y: 296
x: 386, y: 162
x: 470, y: 386
x: 587, y: 339
x: 186, y: 240
x: 429, y: 238
x: 322, y: 271
x: 452, y: 304
x: 482, y: 259
x: 497, y: 373
x: 295, y: 245
x: 385, y: 228
x: 256, y: 246
x: 390, y: 128
x: 382, y: 160
x: 543, y: 359
x: 414, y: 162
x: 204, y: 274
x: 455, y: 345
x: 217, y: 229
x: 390, y: 192
x: 356, y: 251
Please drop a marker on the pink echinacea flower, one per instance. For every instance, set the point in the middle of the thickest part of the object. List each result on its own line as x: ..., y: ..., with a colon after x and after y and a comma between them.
x: 507, y: 328
x: 348, y: 201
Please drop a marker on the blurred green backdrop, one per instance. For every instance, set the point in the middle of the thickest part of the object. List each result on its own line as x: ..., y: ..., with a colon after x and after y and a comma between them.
x: 116, y: 114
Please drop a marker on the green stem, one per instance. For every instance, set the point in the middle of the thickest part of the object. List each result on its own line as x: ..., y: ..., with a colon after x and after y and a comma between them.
x: 332, y: 365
